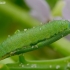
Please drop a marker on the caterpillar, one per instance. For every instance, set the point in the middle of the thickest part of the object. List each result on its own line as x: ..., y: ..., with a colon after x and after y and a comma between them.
x: 33, y: 36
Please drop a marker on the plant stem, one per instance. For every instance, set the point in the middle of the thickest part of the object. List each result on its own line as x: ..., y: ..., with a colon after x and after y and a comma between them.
x: 60, y: 64
x: 22, y: 59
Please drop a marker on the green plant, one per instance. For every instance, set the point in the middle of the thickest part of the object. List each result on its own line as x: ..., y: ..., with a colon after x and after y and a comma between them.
x: 31, y: 39
x: 33, y: 36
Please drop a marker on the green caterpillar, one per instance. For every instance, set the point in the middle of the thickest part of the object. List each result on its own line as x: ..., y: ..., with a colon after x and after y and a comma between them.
x: 33, y: 36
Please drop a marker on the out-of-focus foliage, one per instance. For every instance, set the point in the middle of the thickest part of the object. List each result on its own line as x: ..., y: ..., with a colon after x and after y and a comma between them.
x: 20, y: 3
x: 52, y: 3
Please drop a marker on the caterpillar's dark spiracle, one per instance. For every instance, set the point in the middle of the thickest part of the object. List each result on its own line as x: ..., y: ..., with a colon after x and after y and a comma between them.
x: 32, y: 36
